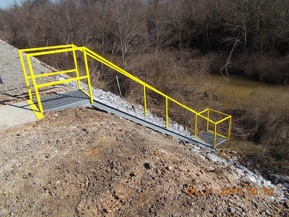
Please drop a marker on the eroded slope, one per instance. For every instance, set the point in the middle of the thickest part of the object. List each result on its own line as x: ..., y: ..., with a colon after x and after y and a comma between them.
x: 81, y: 162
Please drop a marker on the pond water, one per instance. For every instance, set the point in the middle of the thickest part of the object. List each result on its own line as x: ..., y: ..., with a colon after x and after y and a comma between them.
x: 243, y: 88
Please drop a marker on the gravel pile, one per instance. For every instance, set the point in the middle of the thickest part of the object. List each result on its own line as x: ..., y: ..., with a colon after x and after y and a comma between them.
x: 11, y: 74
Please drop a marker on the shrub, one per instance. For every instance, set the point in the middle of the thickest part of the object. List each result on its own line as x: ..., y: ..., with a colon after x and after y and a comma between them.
x: 270, y: 69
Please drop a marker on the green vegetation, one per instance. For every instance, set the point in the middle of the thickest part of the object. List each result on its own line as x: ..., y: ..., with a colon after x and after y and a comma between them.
x: 173, y: 45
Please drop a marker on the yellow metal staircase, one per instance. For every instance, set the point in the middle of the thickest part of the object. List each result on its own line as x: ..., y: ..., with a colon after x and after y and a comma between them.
x: 217, y: 124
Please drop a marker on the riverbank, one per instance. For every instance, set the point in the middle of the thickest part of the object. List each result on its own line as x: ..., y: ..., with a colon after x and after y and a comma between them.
x: 261, y: 128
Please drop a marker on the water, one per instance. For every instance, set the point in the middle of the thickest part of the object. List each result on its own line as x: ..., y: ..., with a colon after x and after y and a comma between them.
x: 244, y: 89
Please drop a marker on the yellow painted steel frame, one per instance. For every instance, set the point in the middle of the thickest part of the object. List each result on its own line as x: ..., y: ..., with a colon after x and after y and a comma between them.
x: 227, y: 117
x: 205, y: 114
x: 31, y: 77
x: 167, y: 99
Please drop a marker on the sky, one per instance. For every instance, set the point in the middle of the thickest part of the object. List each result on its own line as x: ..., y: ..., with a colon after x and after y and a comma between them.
x: 6, y: 3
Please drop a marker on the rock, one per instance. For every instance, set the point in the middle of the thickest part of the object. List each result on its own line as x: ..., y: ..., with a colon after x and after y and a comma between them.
x: 266, y: 183
x: 133, y: 174
x: 230, y: 161
x: 148, y: 166
x: 212, y: 157
x: 211, y: 169
x: 169, y: 168
x: 251, y: 178
x: 286, y: 203
x: 239, y: 209
x: 255, y: 204
x: 268, y: 212
x: 286, y: 193
x: 231, y: 210
x: 239, y: 166
x: 117, y: 172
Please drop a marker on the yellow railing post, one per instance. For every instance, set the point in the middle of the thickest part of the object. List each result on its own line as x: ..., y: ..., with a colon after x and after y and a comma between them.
x: 34, y: 84
x: 88, y: 77
x: 144, y: 100
x: 208, y: 116
x: 167, y: 113
x: 215, y: 135
x: 196, y: 125
x: 230, y: 125
x: 76, y: 67
x: 25, y: 74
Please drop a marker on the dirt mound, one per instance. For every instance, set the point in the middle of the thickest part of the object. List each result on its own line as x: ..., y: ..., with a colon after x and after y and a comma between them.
x: 81, y: 162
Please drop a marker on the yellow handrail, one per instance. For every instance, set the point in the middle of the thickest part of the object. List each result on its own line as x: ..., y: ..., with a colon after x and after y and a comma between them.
x: 167, y: 98
x: 61, y: 81
x: 54, y: 73
x: 31, y: 52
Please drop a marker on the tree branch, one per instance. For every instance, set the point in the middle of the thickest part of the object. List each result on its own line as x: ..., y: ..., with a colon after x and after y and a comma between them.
x: 225, y: 73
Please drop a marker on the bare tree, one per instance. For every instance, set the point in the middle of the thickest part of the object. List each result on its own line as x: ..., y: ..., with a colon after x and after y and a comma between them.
x: 130, y: 28
x: 225, y: 73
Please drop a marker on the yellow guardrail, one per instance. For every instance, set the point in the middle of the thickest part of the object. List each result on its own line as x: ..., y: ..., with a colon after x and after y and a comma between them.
x: 31, y: 77
x: 225, y: 118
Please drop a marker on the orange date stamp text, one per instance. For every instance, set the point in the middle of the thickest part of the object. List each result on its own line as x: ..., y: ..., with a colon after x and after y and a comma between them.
x: 227, y: 191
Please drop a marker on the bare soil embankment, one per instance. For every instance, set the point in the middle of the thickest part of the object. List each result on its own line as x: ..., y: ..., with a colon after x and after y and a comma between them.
x: 81, y: 162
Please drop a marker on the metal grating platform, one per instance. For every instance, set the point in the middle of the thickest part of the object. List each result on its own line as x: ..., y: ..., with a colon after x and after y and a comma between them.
x: 209, y: 138
x: 64, y: 100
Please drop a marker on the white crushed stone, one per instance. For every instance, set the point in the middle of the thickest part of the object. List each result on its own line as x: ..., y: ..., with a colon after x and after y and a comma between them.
x: 11, y: 72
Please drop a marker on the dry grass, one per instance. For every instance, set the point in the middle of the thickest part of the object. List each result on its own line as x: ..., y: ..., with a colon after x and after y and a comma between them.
x: 260, y: 157
x: 179, y: 74
x: 268, y: 68
x: 268, y: 116
x: 265, y: 124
